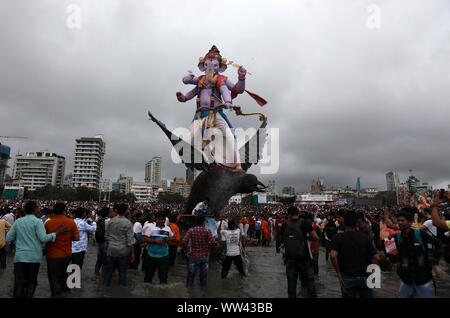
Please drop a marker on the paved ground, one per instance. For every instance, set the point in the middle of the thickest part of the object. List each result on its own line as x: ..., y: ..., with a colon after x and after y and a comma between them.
x: 266, y: 279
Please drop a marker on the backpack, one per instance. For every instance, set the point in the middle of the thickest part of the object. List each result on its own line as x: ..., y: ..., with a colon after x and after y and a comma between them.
x: 424, y: 270
x: 294, y: 241
x: 100, y: 231
x: 417, y: 236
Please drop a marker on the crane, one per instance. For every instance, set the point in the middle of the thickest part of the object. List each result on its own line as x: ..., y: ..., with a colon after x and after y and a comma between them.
x: 13, y: 137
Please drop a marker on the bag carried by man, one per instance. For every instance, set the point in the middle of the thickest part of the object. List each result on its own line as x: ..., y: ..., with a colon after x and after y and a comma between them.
x: 100, y: 231
x: 295, y: 242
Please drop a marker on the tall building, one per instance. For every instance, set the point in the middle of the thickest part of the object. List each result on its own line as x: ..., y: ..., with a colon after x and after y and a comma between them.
x: 153, y: 171
x: 165, y: 184
x: 412, y: 183
x: 68, y: 180
x: 88, y: 164
x: 123, y: 184
x: 358, y: 184
x: 392, y: 181
x: 271, y: 187
x: 288, y: 190
x: 321, y: 183
x: 190, y: 176
x: 424, y: 187
x: 5, y: 152
x: 143, y: 191
x: 38, y: 169
x: 315, y: 187
x: 178, y: 185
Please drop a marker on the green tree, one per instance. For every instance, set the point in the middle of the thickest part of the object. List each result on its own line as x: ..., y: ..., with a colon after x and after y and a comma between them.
x: 387, y: 197
x: 347, y: 196
x: 86, y: 194
x: 169, y: 197
x: 130, y: 198
x: 116, y: 196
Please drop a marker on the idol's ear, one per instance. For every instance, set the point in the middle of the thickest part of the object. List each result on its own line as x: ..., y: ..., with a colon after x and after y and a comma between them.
x: 201, y: 64
x: 223, y: 65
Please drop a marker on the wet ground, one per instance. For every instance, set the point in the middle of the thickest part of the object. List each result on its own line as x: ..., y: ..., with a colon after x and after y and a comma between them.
x: 266, y: 279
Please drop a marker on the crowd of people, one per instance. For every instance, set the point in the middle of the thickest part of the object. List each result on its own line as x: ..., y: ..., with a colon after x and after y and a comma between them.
x: 125, y: 237
x: 151, y: 236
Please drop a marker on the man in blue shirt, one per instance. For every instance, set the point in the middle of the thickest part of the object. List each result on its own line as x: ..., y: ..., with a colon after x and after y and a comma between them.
x: 28, y: 234
x: 85, y: 227
x: 157, y: 237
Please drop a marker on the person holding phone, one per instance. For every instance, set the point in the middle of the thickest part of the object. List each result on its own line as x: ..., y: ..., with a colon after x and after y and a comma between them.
x: 441, y: 199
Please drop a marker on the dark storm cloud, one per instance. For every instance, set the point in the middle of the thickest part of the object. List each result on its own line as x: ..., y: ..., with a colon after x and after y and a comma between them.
x: 349, y: 101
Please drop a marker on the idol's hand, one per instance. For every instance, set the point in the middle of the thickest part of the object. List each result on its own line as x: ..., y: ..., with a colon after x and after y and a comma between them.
x: 242, y: 72
x: 181, y: 97
x: 229, y: 106
x: 190, y: 75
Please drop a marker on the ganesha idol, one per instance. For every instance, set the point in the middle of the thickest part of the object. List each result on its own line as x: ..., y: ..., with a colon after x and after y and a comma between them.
x: 213, y: 93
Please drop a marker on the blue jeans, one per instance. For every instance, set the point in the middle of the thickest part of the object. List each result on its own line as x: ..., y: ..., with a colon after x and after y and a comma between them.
x: 121, y: 263
x: 420, y: 291
x: 305, y: 269
x: 101, y: 255
x: 316, y: 262
x: 202, y: 265
x: 355, y: 286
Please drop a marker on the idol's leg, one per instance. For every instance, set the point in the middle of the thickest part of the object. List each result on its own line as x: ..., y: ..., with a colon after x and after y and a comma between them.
x: 230, y: 156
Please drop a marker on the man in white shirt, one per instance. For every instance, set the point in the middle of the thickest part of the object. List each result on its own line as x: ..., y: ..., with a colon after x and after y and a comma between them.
x: 79, y: 248
x: 232, y: 237
x: 201, y: 208
x: 9, y: 217
x: 222, y: 224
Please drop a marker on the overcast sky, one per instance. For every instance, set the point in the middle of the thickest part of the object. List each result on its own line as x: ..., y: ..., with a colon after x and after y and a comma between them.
x: 349, y: 100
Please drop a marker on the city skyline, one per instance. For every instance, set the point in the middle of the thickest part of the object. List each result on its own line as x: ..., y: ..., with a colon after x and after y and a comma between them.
x: 302, y: 188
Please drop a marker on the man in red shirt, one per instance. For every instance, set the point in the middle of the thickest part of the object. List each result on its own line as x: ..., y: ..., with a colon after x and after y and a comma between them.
x: 59, y: 252
x: 251, y: 227
x: 199, y: 239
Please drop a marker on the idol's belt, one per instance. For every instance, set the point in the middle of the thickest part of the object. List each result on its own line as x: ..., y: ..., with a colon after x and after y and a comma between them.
x: 204, y: 108
x: 204, y: 111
